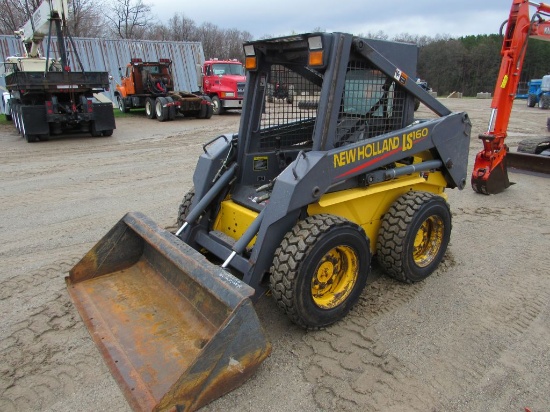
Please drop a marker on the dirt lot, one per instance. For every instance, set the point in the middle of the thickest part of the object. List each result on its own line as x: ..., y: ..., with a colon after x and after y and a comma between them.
x: 475, y: 336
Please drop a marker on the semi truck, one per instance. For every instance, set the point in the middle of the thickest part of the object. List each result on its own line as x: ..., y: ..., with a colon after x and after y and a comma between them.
x: 150, y: 85
x: 46, y: 96
x: 224, y: 81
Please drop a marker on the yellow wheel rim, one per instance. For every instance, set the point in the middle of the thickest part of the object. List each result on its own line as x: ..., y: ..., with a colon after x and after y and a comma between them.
x: 334, y: 277
x: 428, y: 240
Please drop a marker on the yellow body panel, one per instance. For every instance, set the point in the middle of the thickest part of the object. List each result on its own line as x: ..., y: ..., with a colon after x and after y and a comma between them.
x: 366, y: 206
x: 234, y: 219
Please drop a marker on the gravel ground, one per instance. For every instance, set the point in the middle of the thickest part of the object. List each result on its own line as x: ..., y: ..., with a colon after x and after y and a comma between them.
x: 474, y: 336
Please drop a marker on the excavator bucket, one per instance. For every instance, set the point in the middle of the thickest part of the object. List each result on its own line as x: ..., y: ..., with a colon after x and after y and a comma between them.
x: 493, y: 181
x: 175, y: 330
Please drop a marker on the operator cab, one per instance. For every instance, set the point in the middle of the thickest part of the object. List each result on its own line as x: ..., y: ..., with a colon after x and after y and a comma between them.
x: 290, y: 107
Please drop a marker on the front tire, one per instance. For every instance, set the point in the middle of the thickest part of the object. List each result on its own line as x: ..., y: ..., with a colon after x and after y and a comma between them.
x: 185, y: 205
x: 414, y: 236
x: 320, y: 270
x: 122, y: 105
x: 217, y: 105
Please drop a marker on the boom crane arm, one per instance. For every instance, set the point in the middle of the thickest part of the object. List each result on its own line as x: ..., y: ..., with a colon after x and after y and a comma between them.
x: 33, y: 32
x: 490, y: 175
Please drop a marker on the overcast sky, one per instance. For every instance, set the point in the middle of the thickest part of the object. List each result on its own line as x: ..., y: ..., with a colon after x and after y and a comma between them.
x: 393, y: 17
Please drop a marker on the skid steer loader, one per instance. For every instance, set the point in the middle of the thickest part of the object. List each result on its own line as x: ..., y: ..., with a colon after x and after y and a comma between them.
x: 298, y: 202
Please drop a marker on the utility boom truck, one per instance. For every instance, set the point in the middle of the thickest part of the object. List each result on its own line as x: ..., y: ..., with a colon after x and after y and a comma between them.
x: 224, y: 81
x: 46, y: 97
x: 299, y: 202
x: 151, y: 85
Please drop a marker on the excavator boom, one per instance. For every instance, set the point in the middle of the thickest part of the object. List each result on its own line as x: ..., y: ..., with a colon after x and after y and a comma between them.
x: 490, y: 174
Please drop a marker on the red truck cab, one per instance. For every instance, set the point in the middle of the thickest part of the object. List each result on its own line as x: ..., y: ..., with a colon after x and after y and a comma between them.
x: 224, y: 82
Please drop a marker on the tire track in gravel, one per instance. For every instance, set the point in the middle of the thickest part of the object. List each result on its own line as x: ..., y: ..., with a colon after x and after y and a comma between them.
x: 368, y: 362
x: 349, y: 365
x: 45, y: 351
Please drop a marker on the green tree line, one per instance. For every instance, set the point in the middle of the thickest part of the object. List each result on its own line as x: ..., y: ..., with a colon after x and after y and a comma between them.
x: 471, y: 64
x: 467, y: 64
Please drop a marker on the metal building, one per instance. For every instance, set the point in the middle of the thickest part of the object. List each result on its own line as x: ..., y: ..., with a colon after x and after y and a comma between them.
x: 109, y: 55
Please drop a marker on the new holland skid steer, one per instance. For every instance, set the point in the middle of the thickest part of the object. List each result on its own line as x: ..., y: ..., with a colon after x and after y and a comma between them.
x: 298, y: 202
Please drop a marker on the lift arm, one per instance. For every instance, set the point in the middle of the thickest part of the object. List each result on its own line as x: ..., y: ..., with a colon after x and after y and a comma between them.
x: 490, y: 175
x: 33, y: 32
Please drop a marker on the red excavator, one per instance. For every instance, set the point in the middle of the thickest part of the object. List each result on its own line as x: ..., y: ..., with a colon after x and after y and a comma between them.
x: 490, y: 174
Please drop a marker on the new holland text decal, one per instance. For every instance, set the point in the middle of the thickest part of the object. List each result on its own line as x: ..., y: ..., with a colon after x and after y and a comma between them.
x: 377, y: 151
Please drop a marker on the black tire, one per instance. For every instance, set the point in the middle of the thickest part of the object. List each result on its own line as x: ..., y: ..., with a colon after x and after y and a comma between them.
x: 209, y: 111
x: 217, y: 105
x: 30, y: 138
x: 544, y: 102
x: 185, y: 205
x: 107, y: 133
x: 150, y: 110
x: 416, y: 104
x: 15, y: 117
x: 534, y: 146
x: 171, y: 109
x: 315, y: 247
x: 531, y: 100
x: 206, y: 110
x: 122, y: 104
x: 414, y: 236
x: 93, y: 131
x: 8, y: 117
x: 161, y: 111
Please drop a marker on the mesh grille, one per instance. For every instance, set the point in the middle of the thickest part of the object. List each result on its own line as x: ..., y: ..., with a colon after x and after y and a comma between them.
x: 371, y: 105
x: 290, y: 109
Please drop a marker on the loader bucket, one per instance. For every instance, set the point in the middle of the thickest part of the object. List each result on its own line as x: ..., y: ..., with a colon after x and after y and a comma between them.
x: 175, y: 330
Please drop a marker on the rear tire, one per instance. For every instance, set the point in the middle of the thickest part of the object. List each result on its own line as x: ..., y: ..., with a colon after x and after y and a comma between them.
x: 544, y: 102
x: 171, y: 109
x: 531, y: 100
x: 30, y: 138
x: 161, y: 111
x: 206, y: 110
x: 150, y: 111
x: 414, y: 236
x: 93, y: 131
x: 320, y: 270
